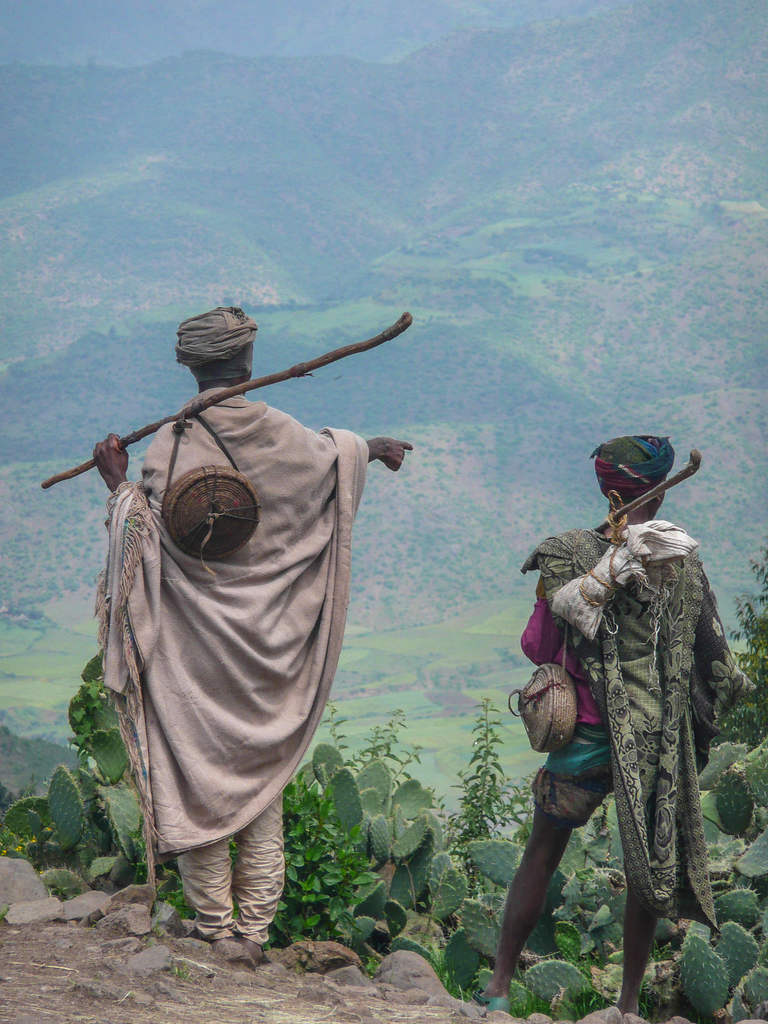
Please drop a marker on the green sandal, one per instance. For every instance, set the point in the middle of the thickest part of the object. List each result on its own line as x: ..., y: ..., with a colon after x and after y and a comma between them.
x: 492, y: 1003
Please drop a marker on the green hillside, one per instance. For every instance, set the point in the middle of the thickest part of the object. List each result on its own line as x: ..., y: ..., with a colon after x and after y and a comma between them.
x: 576, y: 214
x: 25, y: 764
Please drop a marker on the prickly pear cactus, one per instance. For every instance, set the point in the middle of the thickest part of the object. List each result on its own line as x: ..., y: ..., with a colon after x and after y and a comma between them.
x: 754, y: 862
x: 326, y: 761
x: 460, y: 959
x: 497, y: 859
x: 738, y: 950
x: 371, y: 803
x: 377, y: 777
x: 101, y: 866
x: 63, y: 882
x: 66, y: 807
x: 396, y: 916
x: 412, y: 798
x: 549, y: 977
x: 346, y: 798
x: 410, y: 841
x: 481, y: 926
x: 18, y: 820
x: 721, y: 757
x: 738, y: 1009
x: 447, y: 885
x: 703, y: 974
x: 419, y: 866
x: 109, y: 753
x: 403, y: 942
x: 362, y: 929
x: 123, y: 814
x: 735, y: 802
x: 380, y: 839
x: 568, y: 940
x: 756, y: 771
x: 740, y: 905
x: 755, y: 986
x: 373, y: 904
x: 401, y: 887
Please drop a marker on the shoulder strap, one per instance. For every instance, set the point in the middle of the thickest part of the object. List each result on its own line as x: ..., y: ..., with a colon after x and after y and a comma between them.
x: 218, y: 440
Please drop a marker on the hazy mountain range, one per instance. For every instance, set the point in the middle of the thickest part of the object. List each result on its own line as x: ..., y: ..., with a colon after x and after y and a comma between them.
x: 575, y: 212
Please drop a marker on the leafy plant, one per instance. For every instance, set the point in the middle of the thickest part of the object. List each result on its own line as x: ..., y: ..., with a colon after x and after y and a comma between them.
x: 324, y: 868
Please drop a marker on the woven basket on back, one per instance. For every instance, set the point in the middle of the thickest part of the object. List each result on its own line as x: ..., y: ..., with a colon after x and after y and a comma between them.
x: 211, y: 511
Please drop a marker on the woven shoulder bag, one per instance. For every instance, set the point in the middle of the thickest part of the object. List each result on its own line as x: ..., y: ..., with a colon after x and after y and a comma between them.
x: 547, y: 706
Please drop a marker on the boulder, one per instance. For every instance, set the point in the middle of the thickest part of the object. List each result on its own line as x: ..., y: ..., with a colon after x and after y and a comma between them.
x: 19, y: 882
x: 611, y: 1015
x: 542, y: 1018
x: 349, y: 977
x: 318, y: 957
x: 405, y: 970
x: 34, y: 911
x: 88, y: 906
x: 166, y: 919
x: 148, y: 961
x: 141, y: 894
x: 127, y: 920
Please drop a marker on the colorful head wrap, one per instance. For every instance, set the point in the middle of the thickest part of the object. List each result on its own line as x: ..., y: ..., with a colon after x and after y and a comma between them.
x: 632, y: 465
x: 217, y: 344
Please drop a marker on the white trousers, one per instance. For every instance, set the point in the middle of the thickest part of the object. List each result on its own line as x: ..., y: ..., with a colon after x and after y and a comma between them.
x: 256, y: 881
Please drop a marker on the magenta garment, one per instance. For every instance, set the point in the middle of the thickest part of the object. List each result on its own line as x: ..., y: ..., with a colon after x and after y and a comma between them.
x: 541, y: 642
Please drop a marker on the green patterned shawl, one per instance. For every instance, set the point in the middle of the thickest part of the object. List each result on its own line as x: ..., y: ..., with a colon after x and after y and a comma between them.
x: 655, y: 709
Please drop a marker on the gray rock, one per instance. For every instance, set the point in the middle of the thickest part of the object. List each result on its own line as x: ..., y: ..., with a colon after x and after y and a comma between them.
x: 166, y: 919
x: 405, y: 969
x: 19, y: 882
x: 446, y: 1000
x: 148, y: 961
x: 90, y: 906
x: 405, y: 996
x: 144, y: 895
x: 542, y: 1018
x: 632, y: 1018
x: 128, y: 920
x: 471, y: 1010
x: 350, y: 977
x: 611, y: 1015
x: 123, y: 946
x: 499, y: 1017
x: 679, y: 1020
x: 34, y: 911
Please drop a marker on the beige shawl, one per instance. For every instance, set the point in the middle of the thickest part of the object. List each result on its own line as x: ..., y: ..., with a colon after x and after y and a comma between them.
x: 223, y: 677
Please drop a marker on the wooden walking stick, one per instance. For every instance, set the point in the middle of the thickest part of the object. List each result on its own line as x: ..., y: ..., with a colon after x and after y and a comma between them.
x: 691, y: 467
x: 299, y: 370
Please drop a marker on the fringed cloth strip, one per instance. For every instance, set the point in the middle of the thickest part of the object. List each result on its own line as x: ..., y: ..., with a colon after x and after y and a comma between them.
x: 128, y: 510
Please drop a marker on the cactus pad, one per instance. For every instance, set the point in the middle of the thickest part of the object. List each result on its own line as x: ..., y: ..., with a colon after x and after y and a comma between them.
x: 17, y: 818
x: 738, y: 950
x: 123, y: 814
x: 754, y: 862
x: 376, y: 776
x: 734, y: 800
x: 346, y: 798
x: 419, y: 866
x: 396, y: 916
x: 361, y: 931
x: 101, y: 866
x: 497, y: 859
x: 410, y: 841
x: 460, y: 959
x: 326, y: 761
x: 412, y: 798
x: 481, y: 927
x: 738, y: 1009
x: 721, y: 757
x: 738, y: 905
x: 703, y: 974
x: 66, y: 806
x: 63, y: 882
x: 403, y: 942
x: 448, y: 888
x: 109, y: 753
x: 380, y: 839
x: 373, y: 904
x: 568, y: 940
x: 755, y: 986
x: 548, y: 978
x: 371, y: 802
x: 401, y: 887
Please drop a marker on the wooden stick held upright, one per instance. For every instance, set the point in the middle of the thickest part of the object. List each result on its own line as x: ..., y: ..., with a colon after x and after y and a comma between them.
x: 691, y: 467
x: 299, y: 370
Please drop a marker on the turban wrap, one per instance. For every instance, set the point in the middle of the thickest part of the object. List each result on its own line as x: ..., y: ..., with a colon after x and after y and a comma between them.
x: 217, y: 344
x: 632, y: 465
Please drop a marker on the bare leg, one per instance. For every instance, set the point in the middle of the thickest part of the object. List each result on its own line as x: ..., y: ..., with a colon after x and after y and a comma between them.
x: 525, y: 899
x: 639, y: 929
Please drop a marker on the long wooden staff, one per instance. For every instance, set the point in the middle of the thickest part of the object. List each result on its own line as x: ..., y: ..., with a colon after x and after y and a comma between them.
x: 299, y: 370
x: 691, y: 467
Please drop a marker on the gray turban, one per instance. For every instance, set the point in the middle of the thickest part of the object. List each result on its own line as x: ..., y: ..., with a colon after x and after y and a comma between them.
x: 218, y: 344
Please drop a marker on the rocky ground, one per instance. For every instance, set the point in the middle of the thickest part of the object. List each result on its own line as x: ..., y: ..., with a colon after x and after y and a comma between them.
x: 101, y: 959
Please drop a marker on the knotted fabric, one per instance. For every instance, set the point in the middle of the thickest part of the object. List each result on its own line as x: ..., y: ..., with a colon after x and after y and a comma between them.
x: 632, y: 465
x: 214, y: 336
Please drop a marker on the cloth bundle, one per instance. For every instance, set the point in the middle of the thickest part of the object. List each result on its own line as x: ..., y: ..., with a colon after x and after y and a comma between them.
x: 645, y: 555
